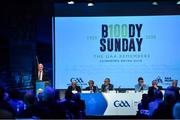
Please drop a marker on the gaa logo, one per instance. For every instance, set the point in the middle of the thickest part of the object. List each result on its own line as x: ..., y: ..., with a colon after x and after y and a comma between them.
x: 121, y: 103
x: 159, y: 79
x: 77, y: 80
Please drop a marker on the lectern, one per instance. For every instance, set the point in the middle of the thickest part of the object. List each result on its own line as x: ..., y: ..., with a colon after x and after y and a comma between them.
x: 40, y: 86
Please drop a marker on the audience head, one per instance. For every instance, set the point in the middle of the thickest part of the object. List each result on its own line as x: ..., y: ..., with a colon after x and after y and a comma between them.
x: 48, y: 94
x: 107, y: 81
x: 174, y: 83
x: 6, y: 96
x: 144, y: 97
x: 176, y: 111
x: 174, y: 91
x: 158, y: 94
x: 40, y: 67
x: 29, y: 98
x: 140, y: 81
x: 91, y: 83
x: 145, y: 101
x: 169, y: 97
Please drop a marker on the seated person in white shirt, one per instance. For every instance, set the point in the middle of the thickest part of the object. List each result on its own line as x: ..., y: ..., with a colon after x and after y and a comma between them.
x: 141, y: 85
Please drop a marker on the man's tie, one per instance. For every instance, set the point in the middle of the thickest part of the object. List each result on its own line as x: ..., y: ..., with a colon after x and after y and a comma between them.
x: 40, y: 75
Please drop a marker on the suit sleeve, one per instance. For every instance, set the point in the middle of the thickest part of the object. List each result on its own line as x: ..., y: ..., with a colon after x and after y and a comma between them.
x: 45, y: 76
x: 102, y: 88
x: 112, y: 87
x: 79, y: 89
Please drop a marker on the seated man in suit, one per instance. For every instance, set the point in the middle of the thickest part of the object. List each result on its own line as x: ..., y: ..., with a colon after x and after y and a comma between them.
x: 74, y: 87
x: 174, y: 85
x: 174, y: 88
x: 141, y: 85
x: 107, y: 85
x: 91, y: 87
x: 153, y: 88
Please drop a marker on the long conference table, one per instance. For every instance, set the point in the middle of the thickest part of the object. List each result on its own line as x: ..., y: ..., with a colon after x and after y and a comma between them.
x: 112, y: 103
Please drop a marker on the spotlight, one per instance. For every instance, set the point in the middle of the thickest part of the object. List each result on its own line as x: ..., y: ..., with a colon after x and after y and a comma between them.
x: 71, y: 2
x: 155, y: 3
x: 178, y: 3
x: 90, y: 3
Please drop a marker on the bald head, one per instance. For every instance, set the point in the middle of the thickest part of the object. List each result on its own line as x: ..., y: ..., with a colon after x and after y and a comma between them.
x: 73, y: 84
x: 40, y: 67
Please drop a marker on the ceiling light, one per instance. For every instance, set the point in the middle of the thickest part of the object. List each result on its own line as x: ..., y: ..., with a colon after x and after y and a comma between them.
x: 154, y: 3
x: 178, y: 3
x: 70, y: 2
x: 90, y: 4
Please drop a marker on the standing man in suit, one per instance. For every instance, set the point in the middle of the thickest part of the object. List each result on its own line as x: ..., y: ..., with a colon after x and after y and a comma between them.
x: 40, y: 75
x: 107, y: 85
x: 74, y: 87
x: 92, y: 87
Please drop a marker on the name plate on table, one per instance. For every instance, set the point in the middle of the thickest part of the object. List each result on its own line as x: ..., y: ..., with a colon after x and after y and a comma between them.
x: 86, y: 91
x: 74, y: 92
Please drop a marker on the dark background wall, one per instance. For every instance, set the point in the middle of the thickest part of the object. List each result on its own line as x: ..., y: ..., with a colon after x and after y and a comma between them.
x: 26, y: 32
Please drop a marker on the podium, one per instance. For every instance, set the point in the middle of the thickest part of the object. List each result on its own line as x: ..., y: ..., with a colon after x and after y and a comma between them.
x: 40, y: 86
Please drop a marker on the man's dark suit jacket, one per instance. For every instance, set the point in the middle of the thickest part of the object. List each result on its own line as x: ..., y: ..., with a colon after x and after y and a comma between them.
x: 35, y: 77
x: 78, y: 89
x: 151, y: 90
x: 103, y: 87
x: 44, y: 77
x: 95, y: 89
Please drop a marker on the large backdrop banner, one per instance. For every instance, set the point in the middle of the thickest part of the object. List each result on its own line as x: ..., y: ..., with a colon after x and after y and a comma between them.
x: 121, y: 48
